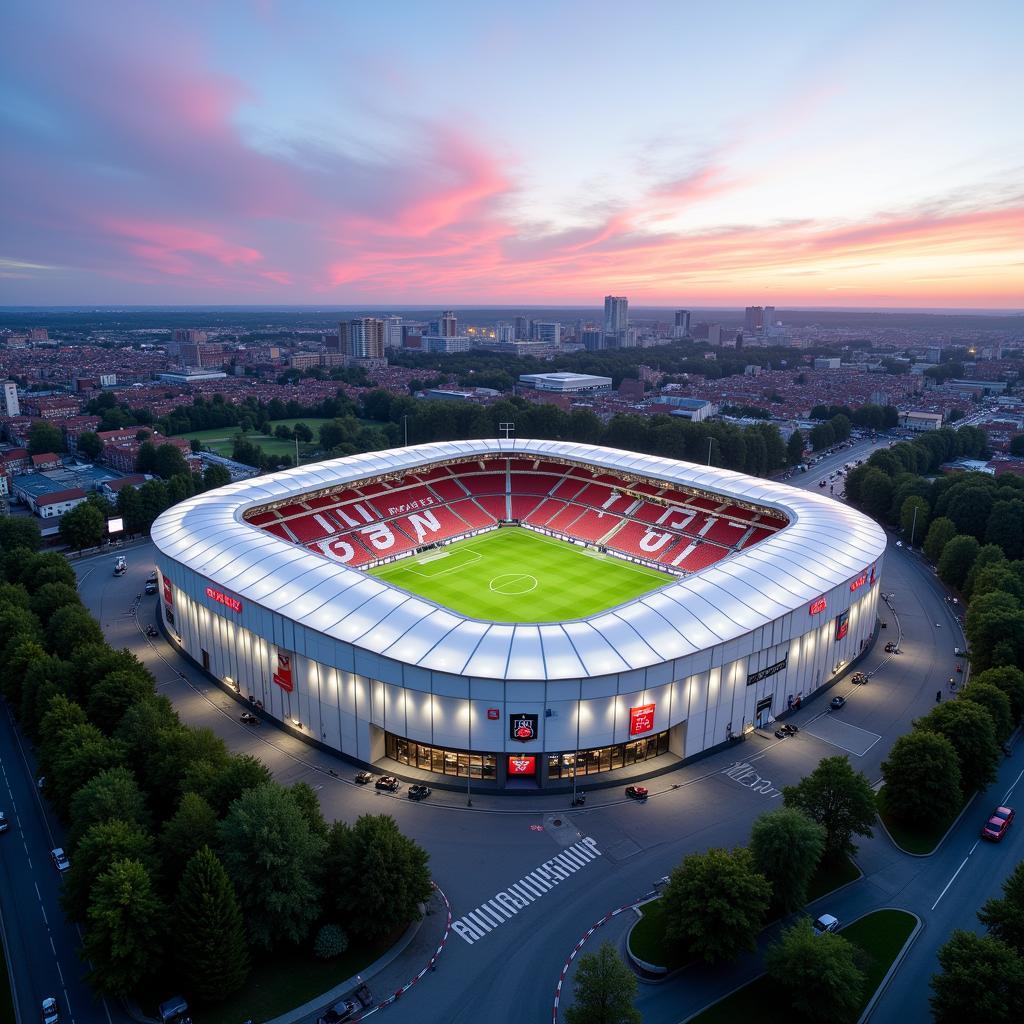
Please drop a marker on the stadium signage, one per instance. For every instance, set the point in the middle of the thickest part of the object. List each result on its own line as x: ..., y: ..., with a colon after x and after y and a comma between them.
x: 764, y: 673
x: 859, y: 581
x: 283, y: 675
x: 225, y: 599
x: 526, y: 765
x: 817, y: 606
x: 641, y: 719
x: 842, y: 625
x: 493, y: 714
x: 168, y: 593
x: 523, y: 727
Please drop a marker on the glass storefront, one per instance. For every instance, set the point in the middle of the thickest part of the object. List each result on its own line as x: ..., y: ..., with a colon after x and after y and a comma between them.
x: 461, y: 763
x: 605, y: 759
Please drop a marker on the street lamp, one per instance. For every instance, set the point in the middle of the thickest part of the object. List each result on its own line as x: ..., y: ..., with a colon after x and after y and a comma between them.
x: 469, y: 753
x: 405, y: 429
x: 710, y: 442
x: 913, y: 527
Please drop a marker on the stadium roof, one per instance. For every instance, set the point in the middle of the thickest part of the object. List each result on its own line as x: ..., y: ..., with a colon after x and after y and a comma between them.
x: 825, y: 545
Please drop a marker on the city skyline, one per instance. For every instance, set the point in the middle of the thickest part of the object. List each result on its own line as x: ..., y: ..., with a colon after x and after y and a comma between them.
x: 792, y: 157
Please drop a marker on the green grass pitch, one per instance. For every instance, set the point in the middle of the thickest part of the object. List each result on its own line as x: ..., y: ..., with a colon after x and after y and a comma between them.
x: 516, y: 575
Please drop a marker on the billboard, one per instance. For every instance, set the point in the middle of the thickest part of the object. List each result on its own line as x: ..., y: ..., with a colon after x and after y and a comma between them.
x: 641, y: 719
x: 842, y: 625
x: 525, y: 765
x: 283, y: 674
x: 115, y: 525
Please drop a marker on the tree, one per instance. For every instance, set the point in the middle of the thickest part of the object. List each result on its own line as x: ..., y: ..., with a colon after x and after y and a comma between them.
x: 956, y: 560
x: 940, y: 533
x: 305, y: 796
x: 221, y: 783
x: 44, y: 438
x: 914, y: 528
x: 303, y: 432
x: 996, y: 703
x: 787, y: 847
x: 969, y: 727
x: 715, y: 904
x: 47, y: 567
x: 51, y: 596
x: 795, y: 448
x: 269, y: 849
x: 876, y: 492
x: 113, y: 793
x: 19, y: 532
x: 89, y: 445
x: 125, y: 930
x: 1011, y: 681
x: 168, y: 462
x: 922, y: 778
x: 817, y: 974
x: 69, y: 627
x: 210, y: 945
x: 145, y: 460
x: 192, y: 826
x: 215, y: 475
x: 604, y: 990
x: 83, y: 754
x: 988, y: 555
x: 114, y: 694
x: 82, y: 527
x: 995, y: 630
x: 377, y: 876
x: 981, y: 979
x: 836, y: 796
x: 1004, y: 916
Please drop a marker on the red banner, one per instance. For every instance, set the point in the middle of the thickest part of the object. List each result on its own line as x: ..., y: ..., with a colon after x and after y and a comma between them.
x: 283, y: 675
x: 493, y: 714
x: 817, y: 606
x: 522, y: 765
x: 168, y: 594
x: 225, y: 599
x: 641, y: 719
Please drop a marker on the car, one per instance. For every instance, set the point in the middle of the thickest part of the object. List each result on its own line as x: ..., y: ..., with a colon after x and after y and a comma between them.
x: 41, y: 782
x: 997, y: 825
x: 364, y: 777
x: 120, y: 567
x: 50, y: 1012
x: 174, y: 1011
x: 837, y: 702
x: 152, y: 577
x: 824, y: 924
x: 821, y: 483
x: 60, y: 859
x: 341, y: 1011
x: 636, y: 792
x: 388, y: 782
x: 859, y: 678
x: 418, y: 792
x: 150, y: 587
x: 248, y: 718
x: 4, y: 823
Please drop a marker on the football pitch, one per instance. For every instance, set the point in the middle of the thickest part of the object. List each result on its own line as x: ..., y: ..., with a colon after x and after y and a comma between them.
x: 516, y: 575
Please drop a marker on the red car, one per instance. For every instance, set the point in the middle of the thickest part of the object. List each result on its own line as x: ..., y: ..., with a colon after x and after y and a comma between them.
x: 998, y: 824
x: 636, y: 792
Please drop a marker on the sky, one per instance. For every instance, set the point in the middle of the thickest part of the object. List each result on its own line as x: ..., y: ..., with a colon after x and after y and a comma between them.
x: 420, y: 152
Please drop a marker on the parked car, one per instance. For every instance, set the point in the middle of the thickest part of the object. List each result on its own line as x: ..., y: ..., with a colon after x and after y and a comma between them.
x: 364, y: 777
x: 50, y: 1012
x: 120, y: 567
x: 859, y: 678
x: 152, y: 577
x: 997, y: 825
x: 150, y: 586
x: 825, y: 923
x: 174, y: 1011
x: 837, y: 702
x: 341, y: 1011
x: 248, y: 718
x: 418, y: 792
x: 636, y: 792
x: 388, y: 782
x: 4, y: 823
x: 60, y: 860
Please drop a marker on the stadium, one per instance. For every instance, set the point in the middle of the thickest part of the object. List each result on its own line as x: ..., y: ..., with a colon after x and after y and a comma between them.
x: 509, y: 613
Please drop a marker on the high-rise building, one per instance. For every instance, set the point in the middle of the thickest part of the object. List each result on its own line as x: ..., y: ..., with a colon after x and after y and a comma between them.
x: 392, y: 332
x: 769, y: 317
x: 714, y: 334
x: 548, y: 333
x: 366, y: 338
x: 504, y: 333
x: 592, y: 338
x: 753, y: 319
x: 681, y: 325
x: 186, y: 336
x: 448, y: 325
x: 11, y: 406
x: 616, y: 314
x: 522, y: 328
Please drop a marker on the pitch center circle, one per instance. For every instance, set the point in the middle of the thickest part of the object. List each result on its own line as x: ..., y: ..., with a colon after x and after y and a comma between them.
x: 513, y: 583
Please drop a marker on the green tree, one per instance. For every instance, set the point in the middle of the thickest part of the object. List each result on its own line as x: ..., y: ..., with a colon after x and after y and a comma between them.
x: 270, y: 852
x: 59, y: 718
x: 956, y: 560
x: 44, y: 438
x: 124, y: 936
x: 1004, y: 916
x: 787, y: 848
x: 305, y: 796
x: 836, y: 796
x: 51, y: 596
x: 19, y: 532
x: 795, y: 448
x: 223, y: 782
x: 981, y: 980
x: 46, y: 567
x: 22, y: 654
x: 922, y: 778
x: 940, y: 533
x: 113, y: 793
x: 377, y: 876
x: 604, y: 990
x: 89, y: 445
x: 303, y: 432
x: 69, y: 627
x: 969, y: 727
x: 82, y: 527
x: 817, y: 975
x: 192, y: 826
x: 210, y: 945
x: 988, y: 555
x: 995, y: 630
x: 83, y: 754
x: 113, y: 695
x: 215, y: 475
x: 876, y: 490
x: 715, y: 904
x: 914, y: 515
x: 1011, y: 681
x: 996, y: 703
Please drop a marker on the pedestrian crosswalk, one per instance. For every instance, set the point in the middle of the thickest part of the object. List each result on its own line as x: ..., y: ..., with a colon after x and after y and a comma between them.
x: 521, y: 895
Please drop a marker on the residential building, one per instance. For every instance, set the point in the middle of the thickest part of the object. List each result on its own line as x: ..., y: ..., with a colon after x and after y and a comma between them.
x: 593, y: 339
x: 392, y: 332
x: 504, y: 332
x: 522, y: 328
x: 616, y: 316
x: 920, y: 420
x: 681, y: 324
x: 548, y: 333
x: 11, y: 406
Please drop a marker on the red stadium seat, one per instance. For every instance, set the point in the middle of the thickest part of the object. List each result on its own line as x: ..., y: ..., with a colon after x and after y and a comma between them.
x: 448, y: 490
x: 474, y: 516
x: 724, y: 532
x: 532, y: 483
x: 542, y: 514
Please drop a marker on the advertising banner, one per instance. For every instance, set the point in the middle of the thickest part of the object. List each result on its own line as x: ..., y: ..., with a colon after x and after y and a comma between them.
x: 641, y: 719
x: 526, y: 765
x: 523, y: 727
x: 283, y: 675
x: 842, y: 625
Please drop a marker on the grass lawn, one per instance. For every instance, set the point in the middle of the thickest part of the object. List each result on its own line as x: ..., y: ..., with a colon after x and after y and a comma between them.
x: 881, y: 935
x: 6, y: 1003
x: 915, y: 838
x: 221, y: 439
x: 516, y: 575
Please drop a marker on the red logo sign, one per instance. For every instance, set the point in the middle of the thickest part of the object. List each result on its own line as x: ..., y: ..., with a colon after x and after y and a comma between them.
x: 641, y: 719
x: 859, y: 581
x: 818, y: 606
x: 283, y: 675
x: 168, y: 594
x: 225, y: 599
x: 493, y: 714
x: 522, y: 765
x: 522, y: 727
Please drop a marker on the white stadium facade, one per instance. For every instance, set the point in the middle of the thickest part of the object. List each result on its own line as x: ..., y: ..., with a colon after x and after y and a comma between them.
x: 773, y: 594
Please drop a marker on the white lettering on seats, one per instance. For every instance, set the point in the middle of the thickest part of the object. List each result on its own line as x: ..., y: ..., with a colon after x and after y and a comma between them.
x: 361, y: 509
x: 653, y: 541
x: 339, y: 550
x: 379, y: 535
x: 424, y: 523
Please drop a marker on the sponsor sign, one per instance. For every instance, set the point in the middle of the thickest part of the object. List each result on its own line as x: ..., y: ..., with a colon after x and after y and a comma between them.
x: 859, y: 581
x: 168, y: 593
x: 764, y: 673
x: 641, y: 719
x: 526, y: 765
x: 493, y: 714
x: 873, y: 567
x: 225, y: 599
x: 522, y: 727
x: 842, y: 625
x: 283, y: 675
x: 817, y: 606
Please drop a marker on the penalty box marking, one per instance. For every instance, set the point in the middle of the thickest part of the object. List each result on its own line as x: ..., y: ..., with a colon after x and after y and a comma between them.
x: 460, y: 559
x: 507, y: 903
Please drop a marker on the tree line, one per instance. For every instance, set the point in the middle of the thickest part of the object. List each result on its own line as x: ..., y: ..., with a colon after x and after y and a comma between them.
x: 189, y: 864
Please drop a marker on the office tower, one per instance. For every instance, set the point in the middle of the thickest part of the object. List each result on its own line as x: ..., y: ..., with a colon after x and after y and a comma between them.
x: 344, y: 342
x: 11, y: 398
x: 715, y: 334
x: 366, y: 338
x: 548, y: 333
x: 505, y: 333
x: 392, y: 332
x: 753, y: 320
x: 522, y: 328
x: 681, y: 326
x: 616, y: 314
x: 448, y: 325
x: 412, y: 336
x: 769, y: 317
x: 592, y: 338
x: 185, y: 337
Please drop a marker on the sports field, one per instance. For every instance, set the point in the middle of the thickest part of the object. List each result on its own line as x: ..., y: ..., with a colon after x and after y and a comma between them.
x: 516, y: 575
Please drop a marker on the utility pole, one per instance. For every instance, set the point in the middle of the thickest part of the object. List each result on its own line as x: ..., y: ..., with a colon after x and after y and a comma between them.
x: 913, y: 527
x: 405, y: 429
x: 296, y: 451
x: 711, y: 441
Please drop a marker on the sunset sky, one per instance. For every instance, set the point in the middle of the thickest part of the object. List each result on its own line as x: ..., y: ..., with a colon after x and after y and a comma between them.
x: 448, y: 151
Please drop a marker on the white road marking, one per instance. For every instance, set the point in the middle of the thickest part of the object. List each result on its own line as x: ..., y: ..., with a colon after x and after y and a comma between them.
x: 744, y: 774
x: 504, y: 905
x: 955, y: 873
x: 858, y: 741
x: 1012, y: 787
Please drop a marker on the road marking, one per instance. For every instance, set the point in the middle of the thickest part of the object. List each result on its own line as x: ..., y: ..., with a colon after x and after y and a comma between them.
x: 858, y: 741
x: 744, y: 774
x: 955, y: 873
x: 504, y: 905
x: 1013, y: 786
